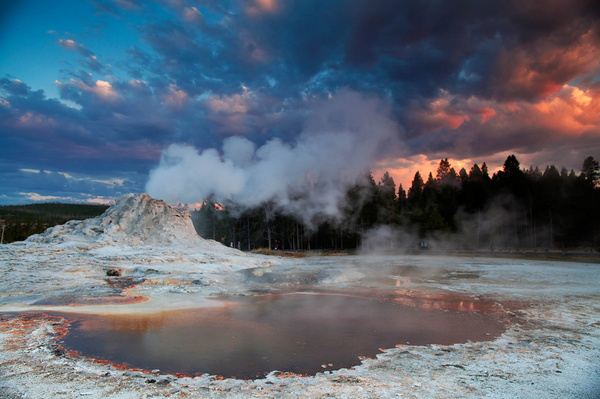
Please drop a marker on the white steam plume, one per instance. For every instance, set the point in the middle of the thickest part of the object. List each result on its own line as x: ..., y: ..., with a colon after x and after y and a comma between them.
x: 308, y: 178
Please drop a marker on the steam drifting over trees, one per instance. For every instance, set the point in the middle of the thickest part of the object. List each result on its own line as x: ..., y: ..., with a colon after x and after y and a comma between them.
x: 515, y: 208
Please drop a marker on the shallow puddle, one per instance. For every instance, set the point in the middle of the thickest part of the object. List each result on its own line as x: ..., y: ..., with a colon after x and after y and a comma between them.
x: 252, y: 336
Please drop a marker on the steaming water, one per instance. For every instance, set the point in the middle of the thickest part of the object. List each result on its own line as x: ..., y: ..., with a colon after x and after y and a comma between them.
x: 251, y: 337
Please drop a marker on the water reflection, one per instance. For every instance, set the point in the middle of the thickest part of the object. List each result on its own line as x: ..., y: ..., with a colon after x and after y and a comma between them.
x: 300, y: 333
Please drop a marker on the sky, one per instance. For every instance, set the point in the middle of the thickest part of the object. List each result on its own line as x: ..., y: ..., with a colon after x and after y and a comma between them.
x: 182, y: 98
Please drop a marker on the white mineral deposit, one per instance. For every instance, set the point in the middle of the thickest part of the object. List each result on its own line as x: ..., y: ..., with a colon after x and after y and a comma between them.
x: 143, y: 257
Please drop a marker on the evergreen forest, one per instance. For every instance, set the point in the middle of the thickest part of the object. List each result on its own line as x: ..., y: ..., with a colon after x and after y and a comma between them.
x: 17, y: 222
x: 515, y: 208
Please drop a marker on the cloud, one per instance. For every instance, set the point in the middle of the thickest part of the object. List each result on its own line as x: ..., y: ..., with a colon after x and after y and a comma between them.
x: 33, y: 120
x: 70, y: 44
x: 233, y: 104
x: 541, y: 68
x: 258, y: 7
x: 39, y: 133
x: 36, y: 197
x: 116, y: 7
x: 399, y: 49
x: 109, y: 182
x: 439, y: 113
x: 30, y: 170
x: 473, y: 80
x: 560, y: 128
x: 22, y: 185
x: 247, y: 113
x: 176, y: 98
x: 101, y: 89
x: 192, y: 15
x: 14, y: 87
x: 90, y: 61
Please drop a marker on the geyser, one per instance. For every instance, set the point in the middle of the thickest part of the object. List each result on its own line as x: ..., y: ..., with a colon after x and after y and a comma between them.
x: 308, y: 177
x: 250, y: 337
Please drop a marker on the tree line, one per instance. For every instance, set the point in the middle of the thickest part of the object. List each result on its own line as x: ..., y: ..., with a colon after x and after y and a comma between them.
x: 17, y: 222
x: 515, y: 208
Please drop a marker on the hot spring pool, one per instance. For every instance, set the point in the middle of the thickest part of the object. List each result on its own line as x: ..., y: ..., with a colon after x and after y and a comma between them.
x: 248, y: 337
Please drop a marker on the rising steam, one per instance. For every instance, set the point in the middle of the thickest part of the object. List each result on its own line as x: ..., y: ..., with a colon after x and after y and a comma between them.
x: 307, y: 178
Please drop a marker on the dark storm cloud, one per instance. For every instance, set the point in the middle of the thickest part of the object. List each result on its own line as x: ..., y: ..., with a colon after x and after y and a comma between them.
x: 472, y: 47
x: 462, y: 78
x: 406, y: 50
x: 412, y: 49
x: 39, y: 132
x: 52, y: 150
x: 560, y: 129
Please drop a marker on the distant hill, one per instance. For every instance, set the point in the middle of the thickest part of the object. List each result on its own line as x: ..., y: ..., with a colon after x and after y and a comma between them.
x: 21, y: 221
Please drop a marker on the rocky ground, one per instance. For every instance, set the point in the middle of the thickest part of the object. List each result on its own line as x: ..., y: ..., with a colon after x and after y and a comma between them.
x: 551, y: 347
